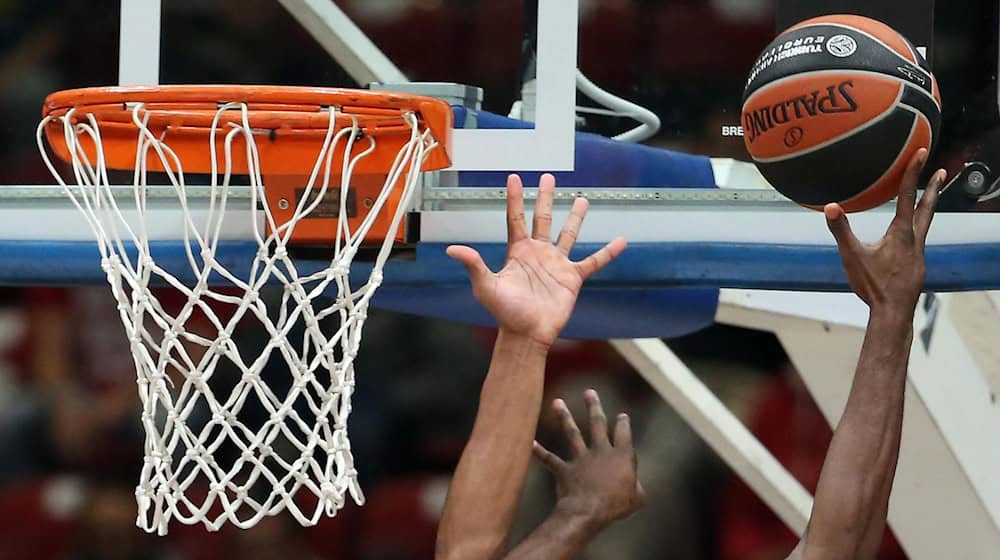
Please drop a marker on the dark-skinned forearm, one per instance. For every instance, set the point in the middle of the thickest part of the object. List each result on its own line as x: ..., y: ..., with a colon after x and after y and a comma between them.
x: 560, y: 537
x: 478, y: 515
x: 848, y: 516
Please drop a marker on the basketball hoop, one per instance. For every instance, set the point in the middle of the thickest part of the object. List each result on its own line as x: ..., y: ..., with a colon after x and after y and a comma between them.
x: 328, y: 167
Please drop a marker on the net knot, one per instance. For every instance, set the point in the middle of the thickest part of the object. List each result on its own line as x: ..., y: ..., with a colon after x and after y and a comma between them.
x: 341, y: 269
x: 302, y: 382
x: 197, y: 379
x: 280, y: 252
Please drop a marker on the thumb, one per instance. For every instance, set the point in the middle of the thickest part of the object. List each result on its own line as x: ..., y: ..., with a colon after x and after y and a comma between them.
x: 840, y: 227
x: 471, y: 260
x: 548, y: 459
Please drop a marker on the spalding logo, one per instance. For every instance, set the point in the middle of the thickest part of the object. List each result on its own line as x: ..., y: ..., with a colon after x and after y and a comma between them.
x: 833, y: 99
x: 841, y: 46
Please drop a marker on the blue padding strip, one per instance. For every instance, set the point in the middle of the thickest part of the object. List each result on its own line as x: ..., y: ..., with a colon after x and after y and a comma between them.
x: 493, y: 121
x: 432, y: 285
x: 950, y: 268
x: 461, y: 113
x: 639, y: 288
x: 602, y: 162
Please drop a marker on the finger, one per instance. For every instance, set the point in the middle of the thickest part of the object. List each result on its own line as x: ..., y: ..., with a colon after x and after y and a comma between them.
x: 840, y: 227
x: 548, y: 459
x: 590, y: 265
x: 623, y: 432
x: 542, y: 227
x: 471, y: 260
x: 571, y: 230
x: 908, y: 189
x: 924, y: 214
x: 573, y: 436
x: 598, y: 421
x: 517, y: 228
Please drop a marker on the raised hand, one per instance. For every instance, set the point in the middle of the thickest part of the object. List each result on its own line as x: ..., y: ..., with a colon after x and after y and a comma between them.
x: 600, y: 482
x: 890, y: 274
x: 852, y: 497
x: 535, y: 292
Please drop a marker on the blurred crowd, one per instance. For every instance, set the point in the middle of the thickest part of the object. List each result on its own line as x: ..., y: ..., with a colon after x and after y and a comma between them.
x: 70, y: 440
x: 72, y: 444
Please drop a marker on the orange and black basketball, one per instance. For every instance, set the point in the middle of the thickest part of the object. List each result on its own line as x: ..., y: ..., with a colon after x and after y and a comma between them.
x: 834, y: 109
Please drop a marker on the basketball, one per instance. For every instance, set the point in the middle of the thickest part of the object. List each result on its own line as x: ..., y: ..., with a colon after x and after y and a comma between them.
x: 834, y: 109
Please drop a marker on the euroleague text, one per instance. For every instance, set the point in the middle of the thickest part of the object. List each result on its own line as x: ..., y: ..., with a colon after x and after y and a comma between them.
x: 833, y: 99
x: 788, y: 49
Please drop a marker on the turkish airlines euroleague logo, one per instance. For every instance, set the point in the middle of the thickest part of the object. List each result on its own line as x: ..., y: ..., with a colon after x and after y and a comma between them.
x: 833, y: 99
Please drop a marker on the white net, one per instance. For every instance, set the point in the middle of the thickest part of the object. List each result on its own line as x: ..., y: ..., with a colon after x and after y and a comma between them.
x: 206, y: 461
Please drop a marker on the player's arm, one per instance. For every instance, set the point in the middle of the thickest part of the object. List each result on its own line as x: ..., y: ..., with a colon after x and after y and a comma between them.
x: 531, y: 298
x: 852, y: 499
x: 597, y: 487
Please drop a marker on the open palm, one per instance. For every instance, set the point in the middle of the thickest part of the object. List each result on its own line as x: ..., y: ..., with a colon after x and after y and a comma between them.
x: 535, y: 292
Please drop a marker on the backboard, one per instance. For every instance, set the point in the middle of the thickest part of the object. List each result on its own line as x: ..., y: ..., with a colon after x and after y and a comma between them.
x: 698, y: 217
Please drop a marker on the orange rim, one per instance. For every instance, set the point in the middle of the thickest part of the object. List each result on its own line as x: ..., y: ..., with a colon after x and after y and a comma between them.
x: 290, y: 124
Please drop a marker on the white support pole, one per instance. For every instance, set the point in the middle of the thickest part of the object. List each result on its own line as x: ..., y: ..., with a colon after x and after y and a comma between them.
x: 344, y: 41
x: 977, y: 317
x: 720, y: 428
x: 945, y: 497
x: 551, y: 146
x: 139, y: 43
